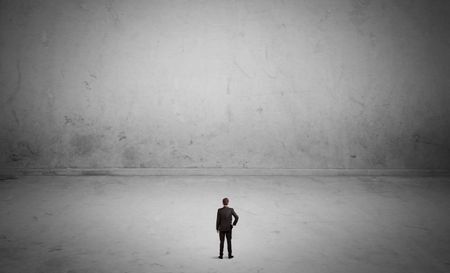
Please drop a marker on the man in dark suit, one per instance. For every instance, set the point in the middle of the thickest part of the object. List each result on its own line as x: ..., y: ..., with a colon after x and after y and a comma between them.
x: 224, y: 227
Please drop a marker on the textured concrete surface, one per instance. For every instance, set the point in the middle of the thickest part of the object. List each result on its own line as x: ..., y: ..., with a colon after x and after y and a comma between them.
x: 225, y: 84
x: 167, y: 224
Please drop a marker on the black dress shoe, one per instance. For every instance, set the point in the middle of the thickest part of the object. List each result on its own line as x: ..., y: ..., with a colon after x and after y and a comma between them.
x: 230, y: 257
x: 220, y: 257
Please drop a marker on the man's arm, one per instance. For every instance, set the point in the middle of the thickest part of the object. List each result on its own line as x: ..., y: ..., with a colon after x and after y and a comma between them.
x: 236, y: 217
x: 217, y: 221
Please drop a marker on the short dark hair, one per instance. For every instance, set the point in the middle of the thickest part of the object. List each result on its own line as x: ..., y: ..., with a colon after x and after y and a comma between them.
x: 225, y: 201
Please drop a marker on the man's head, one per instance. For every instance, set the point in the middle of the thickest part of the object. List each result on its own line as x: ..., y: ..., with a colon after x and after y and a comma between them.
x: 225, y: 201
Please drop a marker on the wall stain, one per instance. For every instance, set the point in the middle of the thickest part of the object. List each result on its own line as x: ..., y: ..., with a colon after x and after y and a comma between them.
x: 23, y: 150
x: 87, y: 85
x: 112, y: 12
x: 85, y: 145
x: 15, y: 157
x: 68, y: 120
x: 122, y: 136
x: 244, y: 164
x: 75, y: 120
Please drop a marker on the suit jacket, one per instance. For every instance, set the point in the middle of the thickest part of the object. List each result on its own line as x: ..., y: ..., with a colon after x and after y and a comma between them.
x: 223, y: 222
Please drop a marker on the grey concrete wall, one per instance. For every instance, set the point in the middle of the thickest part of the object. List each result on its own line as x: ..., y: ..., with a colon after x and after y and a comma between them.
x: 243, y: 84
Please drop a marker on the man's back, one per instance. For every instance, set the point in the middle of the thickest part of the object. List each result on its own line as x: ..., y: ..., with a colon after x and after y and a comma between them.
x: 224, y: 218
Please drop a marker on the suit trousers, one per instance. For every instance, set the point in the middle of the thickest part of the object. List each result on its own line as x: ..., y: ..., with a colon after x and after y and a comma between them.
x: 222, y: 235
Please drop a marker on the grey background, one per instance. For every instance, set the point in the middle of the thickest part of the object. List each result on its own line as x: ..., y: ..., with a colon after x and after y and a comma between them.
x: 225, y: 84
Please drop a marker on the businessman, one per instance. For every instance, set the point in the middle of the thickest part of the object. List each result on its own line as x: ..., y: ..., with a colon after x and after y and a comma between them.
x: 224, y: 227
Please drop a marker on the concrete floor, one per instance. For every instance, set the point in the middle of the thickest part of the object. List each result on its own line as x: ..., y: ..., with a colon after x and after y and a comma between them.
x: 167, y: 224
